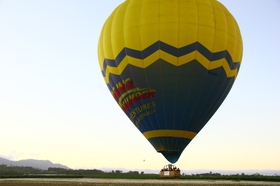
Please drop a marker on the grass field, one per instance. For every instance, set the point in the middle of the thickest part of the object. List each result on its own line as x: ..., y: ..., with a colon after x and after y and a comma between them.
x: 149, y: 176
x: 134, y: 180
x: 124, y: 182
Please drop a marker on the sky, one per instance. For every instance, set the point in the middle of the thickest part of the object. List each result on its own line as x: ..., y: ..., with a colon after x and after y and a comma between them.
x: 54, y: 103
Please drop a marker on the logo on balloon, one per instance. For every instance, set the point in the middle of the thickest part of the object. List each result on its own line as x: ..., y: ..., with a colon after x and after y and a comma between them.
x: 134, y: 100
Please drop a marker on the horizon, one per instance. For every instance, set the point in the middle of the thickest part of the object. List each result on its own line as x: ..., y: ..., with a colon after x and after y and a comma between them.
x: 265, y: 172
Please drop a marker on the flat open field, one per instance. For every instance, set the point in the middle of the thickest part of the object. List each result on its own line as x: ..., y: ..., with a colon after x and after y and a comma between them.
x: 122, y: 182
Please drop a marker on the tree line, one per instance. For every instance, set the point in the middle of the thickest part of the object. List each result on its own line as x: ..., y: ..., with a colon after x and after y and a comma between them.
x: 26, y: 170
x: 7, y: 171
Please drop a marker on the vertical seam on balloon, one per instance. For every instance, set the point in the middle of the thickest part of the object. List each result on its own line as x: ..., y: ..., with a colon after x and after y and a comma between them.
x: 101, y: 63
x: 214, y: 84
x: 225, y: 86
x: 236, y: 45
x: 228, y: 86
x: 191, y: 81
x: 200, y: 88
x: 103, y: 51
x: 182, y: 119
x: 123, y: 38
x: 159, y: 141
x: 128, y: 66
x: 143, y: 61
x: 199, y: 94
x: 208, y: 69
x: 177, y: 66
x: 160, y: 63
x: 195, y: 66
x: 224, y: 81
x: 216, y: 81
x: 111, y: 46
x: 153, y: 127
x: 194, y: 110
x: 125, y: 4
x: 226, y: 15
x: 143, y: 123
x: 140, y: 15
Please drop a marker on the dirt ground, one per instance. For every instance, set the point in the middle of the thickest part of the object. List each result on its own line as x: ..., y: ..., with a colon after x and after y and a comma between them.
x: 124, y: 182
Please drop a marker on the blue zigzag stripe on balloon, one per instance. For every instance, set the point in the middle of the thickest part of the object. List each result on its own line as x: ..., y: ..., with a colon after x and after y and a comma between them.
x: 177, y: 52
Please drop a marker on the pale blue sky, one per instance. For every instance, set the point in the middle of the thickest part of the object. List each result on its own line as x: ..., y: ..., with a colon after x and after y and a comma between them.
x: 54, y: 103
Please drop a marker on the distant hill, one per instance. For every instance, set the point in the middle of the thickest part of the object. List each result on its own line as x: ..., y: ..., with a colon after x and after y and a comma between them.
x: 40, y: 164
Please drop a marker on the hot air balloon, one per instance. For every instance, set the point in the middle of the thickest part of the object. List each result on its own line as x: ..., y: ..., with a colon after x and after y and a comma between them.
x: 169, y: 64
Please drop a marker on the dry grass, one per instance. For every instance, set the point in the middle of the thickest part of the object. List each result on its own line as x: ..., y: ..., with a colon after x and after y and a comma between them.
x: 126, y: 182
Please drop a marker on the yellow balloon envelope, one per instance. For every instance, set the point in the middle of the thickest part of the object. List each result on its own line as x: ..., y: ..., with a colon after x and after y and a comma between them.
x: 169, y: 64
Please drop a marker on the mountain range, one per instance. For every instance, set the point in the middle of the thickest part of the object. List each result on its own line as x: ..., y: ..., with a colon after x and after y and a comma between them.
x: 45, y: 164
x: 39, y: 164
